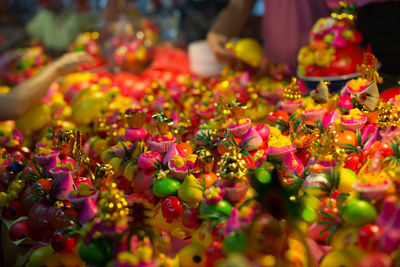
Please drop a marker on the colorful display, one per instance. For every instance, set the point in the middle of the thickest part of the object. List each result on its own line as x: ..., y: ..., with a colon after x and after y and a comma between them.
x: 164, y: 168
x: 334, y: 47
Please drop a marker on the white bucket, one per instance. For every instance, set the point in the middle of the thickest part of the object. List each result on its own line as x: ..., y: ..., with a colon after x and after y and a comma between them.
x: 202, y: 59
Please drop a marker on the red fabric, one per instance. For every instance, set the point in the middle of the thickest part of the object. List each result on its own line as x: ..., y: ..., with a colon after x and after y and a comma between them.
x: 169, y: 58
x: 390, y: 93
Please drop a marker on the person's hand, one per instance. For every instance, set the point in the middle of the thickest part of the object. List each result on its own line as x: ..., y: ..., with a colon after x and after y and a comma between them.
x: 70, y: 62
x: 7, y: 58
x: 217, y: 43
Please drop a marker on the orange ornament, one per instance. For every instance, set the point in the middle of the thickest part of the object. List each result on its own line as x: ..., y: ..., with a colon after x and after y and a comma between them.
x: 45, y: 183
x: 209, y: 178
x: 347, y: 137
x: 185, y: 149
x: 222, y: 149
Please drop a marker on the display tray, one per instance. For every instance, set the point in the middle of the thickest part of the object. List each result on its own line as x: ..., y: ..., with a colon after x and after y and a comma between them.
x: 336, y: 82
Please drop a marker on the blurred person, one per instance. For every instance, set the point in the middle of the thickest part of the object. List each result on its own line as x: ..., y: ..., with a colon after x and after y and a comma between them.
x: 286, y: 25
x: 25, y: 96
x: 57, y: 25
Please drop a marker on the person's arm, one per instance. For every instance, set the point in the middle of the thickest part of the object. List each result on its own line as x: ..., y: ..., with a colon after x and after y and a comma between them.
x: 229, y: 23
x: 26, y: 95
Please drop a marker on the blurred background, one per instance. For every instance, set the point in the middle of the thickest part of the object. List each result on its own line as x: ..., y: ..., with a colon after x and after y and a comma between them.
x: 57, y: 23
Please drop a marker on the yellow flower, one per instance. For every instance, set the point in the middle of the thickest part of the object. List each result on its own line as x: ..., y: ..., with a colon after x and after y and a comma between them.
x: 358, y: 85
x: 355, y: 113
x: 127, y: 257
x: 312, y: 106
x: 274, y: 131
x: 279, y: 141
x: 212, y: 192
x: 67, y: 165
x: 245, y: 212
x: 191, y: 158
x: 178, y: 161
x: 44, y: 150
x: 162, y: 174
x: 242, y: 121
x: 258, y: 155
x: 85, y: 189
x: 144, y: 253
x: 169, y: 135
x: 371, y: 179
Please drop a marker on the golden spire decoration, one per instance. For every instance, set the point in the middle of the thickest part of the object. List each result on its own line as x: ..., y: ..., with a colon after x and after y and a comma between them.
x: 304, y: 135
x: 326, y: 148
x: 113, y: 207
x: 369, y: 68
x: 232, y: 165
x: 292, y: 91
x: 389, y: 115
x: 344, y: 12
x: 237, y: 109
x: 163, y: 122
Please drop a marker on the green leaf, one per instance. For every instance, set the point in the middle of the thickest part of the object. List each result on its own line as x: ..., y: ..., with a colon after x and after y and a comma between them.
x: 244, y: 145
x: 326, y: 222
x: 397, y: 152
x: 35, y: 197
x: 388, y: 158
x: 359, y: 137
x: 69, y: 235
x: 160, y: 165
x: 216, y: 222
x: 319, y: 125
x: 350, y: 146
x: 325, y: 230
x: 133, y: 147
x: 281, y: 122
x: 214, y: 216
x: 348, y: 157
x: 327, y: 215
x: 245, y: 203
x: 340, y: 200
x: 296, y: 124
x: 124, y: 146
x: 39, y: 169
x: 38, y: 188
x: 204, y: 182
x: 233, y: 139
x: 333, y: 231
x: 395, y: 148
x: 325, y: 187
x: 398, y: 139
x: 366, y: 140
x: 33, y: 177
x: 292, y: 117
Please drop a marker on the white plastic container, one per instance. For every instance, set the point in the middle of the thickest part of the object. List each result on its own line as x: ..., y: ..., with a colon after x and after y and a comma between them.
x: 202, y: 60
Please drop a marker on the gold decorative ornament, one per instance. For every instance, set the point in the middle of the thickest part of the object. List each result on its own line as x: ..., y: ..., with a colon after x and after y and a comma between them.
x: 163, y: 123
x: 135, y: 118
x: 344, y: 12
x: 237, y: 109
x: 326, y: 148
x: 321, y: 93
x: 292, y: 91
x: 113, y: 207
x: 232, y: 166
x: 206, y: 160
